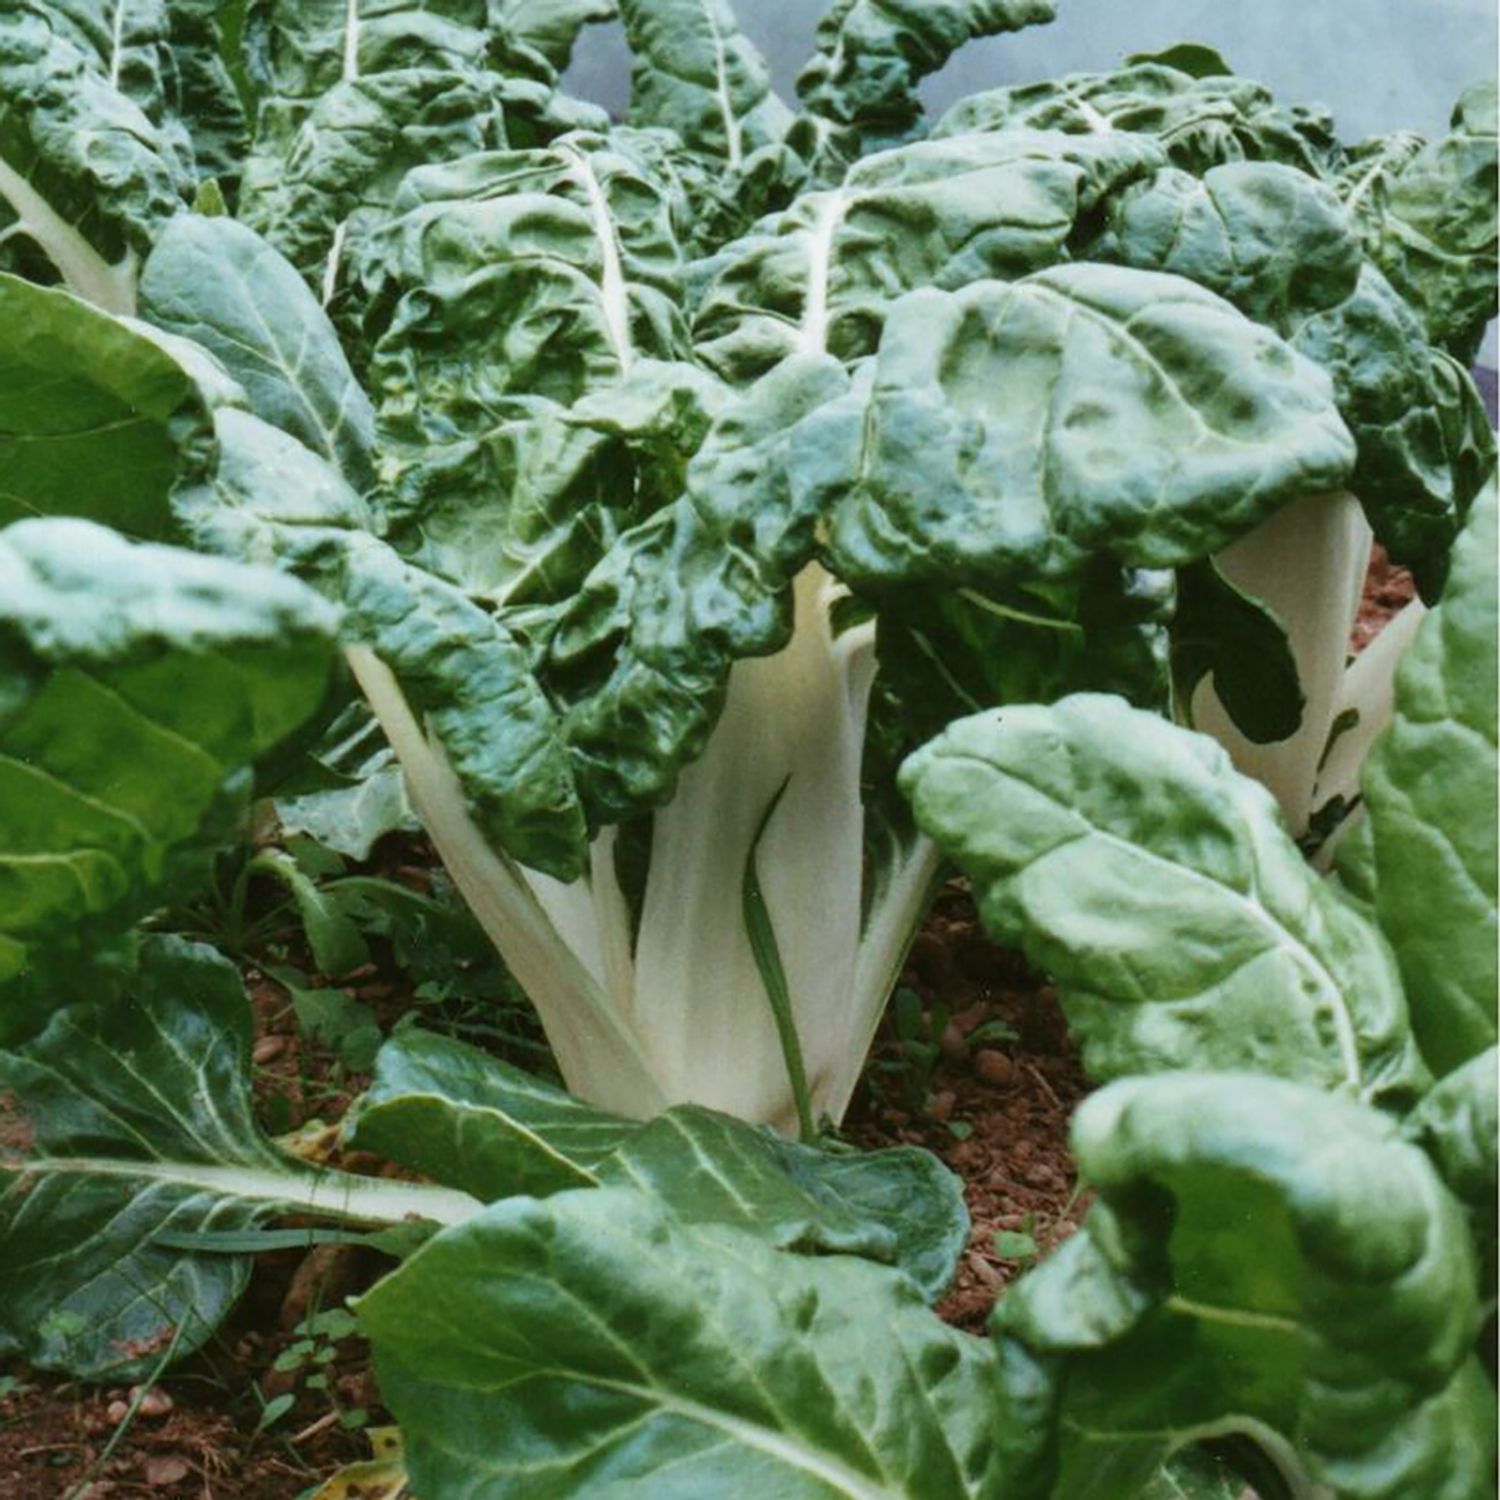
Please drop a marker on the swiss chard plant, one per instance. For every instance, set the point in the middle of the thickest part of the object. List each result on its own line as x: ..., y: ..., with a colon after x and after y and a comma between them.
x: 675, y: 475
x: 662, y: 483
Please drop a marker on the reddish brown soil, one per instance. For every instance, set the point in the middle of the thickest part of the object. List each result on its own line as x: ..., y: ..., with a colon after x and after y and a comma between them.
x: 1388, y: 590
x: 1010, y: 1100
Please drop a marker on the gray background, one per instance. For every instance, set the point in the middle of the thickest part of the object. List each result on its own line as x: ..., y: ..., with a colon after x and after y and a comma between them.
x: 1378, y: 64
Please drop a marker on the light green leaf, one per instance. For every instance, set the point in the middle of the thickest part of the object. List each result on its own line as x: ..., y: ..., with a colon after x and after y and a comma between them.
x: 1332, y: 1327
x: 1431, y: 789
x: 136, y: 684
x: 899, y: 1206
x: 345, y: 791
x: 1129, y: 860
x: 351, y: 819
x: 467, y: 1120
x: 1014, y: 432
x: 694, y: 72
x: 727, y: 1367
x: 1458, y: 1125
x: 215, y: 282
x: 128, y: 1123
x: 872, y: 53
x: 97, y: 418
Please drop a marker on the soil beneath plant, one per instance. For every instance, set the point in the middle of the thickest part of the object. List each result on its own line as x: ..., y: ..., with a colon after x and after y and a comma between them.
x: 974, y: 1063
x: 1389, y: 588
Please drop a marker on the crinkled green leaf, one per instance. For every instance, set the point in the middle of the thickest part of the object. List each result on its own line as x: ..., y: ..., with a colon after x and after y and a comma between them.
x: 319, y: 182
x: 467, y: 1120
x: 97, y: 418
x: 945, y: 653
x: 92, y: 159
x: 1128, y: 859
x: 136, y: 682
x: 643, y: 651
x: 1431, y: 789
x: 872, y: 53
x: 512, y: 286
x: 552, y: 26
x: 1333, y: 1324
x: 1202, y: 121
x: 821, y: 275
x: 1425, y: 442
x: 296, y: 50
x: 577, y: 234
x: 208, y: 100
x: 273, y: 501
x: 693, y: 71
x: 1270, y: 239
x: 523, y: 510
x: 1428, y: 212
x: 215, y: 282
x: 1015, y: 432
x: 1193, y: 58
x: 683, y: 1362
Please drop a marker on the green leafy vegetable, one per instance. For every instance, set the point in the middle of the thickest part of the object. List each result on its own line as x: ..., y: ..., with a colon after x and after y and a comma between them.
x: 136, y: 684
x: 1431, y: 790
x: 1184, y: 928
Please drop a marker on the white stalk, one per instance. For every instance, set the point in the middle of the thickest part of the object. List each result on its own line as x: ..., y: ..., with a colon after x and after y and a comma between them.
x: 592, y: 918
x: 825, y: 227
x: 84, y: 271
x: 890, y: 925
x: 796, y: 718
x: 613, y: 295
x: 329, y: 1195
x: 1368, y: 692
x: 1308, y: 563
x: 595, y: 1048
x: 733, y: 139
